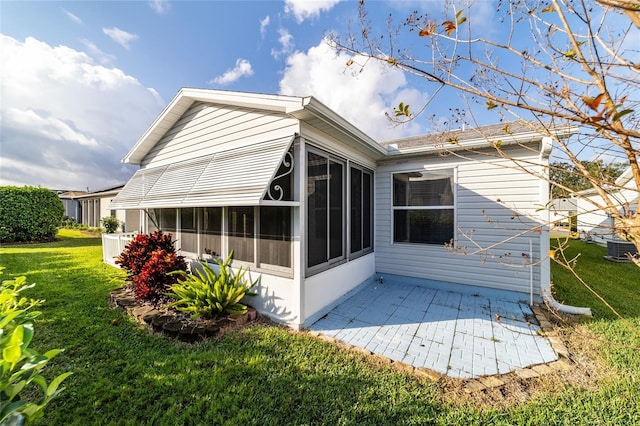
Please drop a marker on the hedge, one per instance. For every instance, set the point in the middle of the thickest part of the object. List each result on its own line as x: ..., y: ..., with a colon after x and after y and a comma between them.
x: 29, y: 214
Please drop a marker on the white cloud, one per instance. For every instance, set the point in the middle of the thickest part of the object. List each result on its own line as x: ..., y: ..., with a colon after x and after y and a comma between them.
x: 73, y: 17
x: 67, y: 121
x: 121, y: 37
x: 264, y: 23
x: 46, y: 127
x: 303, y: 9
x: 242, y: 69
x: 95, y: 52
x: 286, y: 43
x: 160, y: 6
x: 363, y: 99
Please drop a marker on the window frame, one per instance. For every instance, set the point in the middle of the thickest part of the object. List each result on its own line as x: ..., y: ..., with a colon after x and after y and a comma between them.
x: 268, y: 266
x: 453, y: 206
x: 363, y: 250
x: 329, y: 262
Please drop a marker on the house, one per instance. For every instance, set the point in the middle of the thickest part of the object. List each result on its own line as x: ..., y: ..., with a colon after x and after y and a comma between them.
x: 563, y: 212
x: 72, y: 207
x: 95, y: 205
x: 317, y: 208
x: 594, y: 222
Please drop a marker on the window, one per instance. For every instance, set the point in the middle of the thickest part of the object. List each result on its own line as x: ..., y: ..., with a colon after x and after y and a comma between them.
x: 275, y: 236
x: 325, y: 209
x: 361, y: 209
x: 211, y: 235
x: 188, y: 230
x: 165, y: 219
x: 241, y: 233
x: 423, y: 207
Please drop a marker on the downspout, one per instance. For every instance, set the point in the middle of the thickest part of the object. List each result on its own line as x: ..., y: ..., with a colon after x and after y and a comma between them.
x: 545, y: 267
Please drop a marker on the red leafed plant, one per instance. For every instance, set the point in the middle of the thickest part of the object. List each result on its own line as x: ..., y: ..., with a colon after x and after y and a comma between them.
x: 148, y: 259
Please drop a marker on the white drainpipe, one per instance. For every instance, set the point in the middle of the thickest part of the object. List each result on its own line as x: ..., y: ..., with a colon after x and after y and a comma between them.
x: 545, y: 267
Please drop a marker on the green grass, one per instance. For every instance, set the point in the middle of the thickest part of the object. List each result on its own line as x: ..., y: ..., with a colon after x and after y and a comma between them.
x: 617, y: 283
x: 262, y: 375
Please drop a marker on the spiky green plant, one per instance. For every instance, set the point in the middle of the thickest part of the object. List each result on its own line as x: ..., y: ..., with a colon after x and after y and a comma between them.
x: 205, y: 293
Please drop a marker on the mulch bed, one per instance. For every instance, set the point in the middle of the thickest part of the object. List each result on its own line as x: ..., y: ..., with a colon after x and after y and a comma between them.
x: 176, y: 324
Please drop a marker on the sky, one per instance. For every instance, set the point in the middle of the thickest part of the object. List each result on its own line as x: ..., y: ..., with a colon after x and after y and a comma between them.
x: 82, y: 80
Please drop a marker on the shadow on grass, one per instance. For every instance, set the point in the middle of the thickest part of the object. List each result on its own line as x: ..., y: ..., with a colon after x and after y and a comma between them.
x: 123, y: 374
x: 617, y: 283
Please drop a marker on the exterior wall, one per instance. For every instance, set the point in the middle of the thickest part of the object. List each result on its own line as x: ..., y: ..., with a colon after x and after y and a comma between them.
x: 324, y: 290
x: 596, y: 223
x: 204, y: 128
x: 94, y: 209
x: 91, y: 212
x: 72, y: 209
x: 133, y: 221
x: 278, y: 298
x: 494, y: 200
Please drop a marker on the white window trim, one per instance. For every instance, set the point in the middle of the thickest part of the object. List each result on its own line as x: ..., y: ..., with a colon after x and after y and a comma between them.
x: 392, y: 208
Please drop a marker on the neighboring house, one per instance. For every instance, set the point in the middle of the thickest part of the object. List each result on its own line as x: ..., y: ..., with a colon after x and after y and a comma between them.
x: 562, y: 211
x: 72, y: 207
x: 95, y: 205
x: 596, y: 223
x: 316, y: 207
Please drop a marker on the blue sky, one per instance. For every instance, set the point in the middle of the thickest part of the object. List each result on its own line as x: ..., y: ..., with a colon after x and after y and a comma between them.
x: 82, y: 80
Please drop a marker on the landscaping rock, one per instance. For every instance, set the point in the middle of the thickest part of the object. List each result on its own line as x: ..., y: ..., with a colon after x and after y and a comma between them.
x: 150, y: 315
x: 176, y: 324
x: 252, y: 314
x: 172, y: 328
x: 240, y: 319
x: 140, y: 311
x: 192, y: 334
x: 159, y: 321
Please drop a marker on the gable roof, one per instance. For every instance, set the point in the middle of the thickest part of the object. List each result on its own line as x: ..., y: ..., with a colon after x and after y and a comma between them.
x: 306, y: 109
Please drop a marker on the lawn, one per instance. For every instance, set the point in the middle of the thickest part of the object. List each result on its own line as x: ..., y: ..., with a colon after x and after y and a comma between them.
x: 267, y: 374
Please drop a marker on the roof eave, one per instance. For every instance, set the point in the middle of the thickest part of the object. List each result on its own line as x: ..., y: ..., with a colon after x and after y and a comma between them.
x: 321, y: 111
x: 483, y: 142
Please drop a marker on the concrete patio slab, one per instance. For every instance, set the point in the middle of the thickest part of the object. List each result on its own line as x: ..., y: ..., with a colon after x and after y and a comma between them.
x: 459, y: 331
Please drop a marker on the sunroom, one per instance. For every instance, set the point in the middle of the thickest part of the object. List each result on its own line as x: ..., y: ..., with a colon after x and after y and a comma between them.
x: 288, y: 188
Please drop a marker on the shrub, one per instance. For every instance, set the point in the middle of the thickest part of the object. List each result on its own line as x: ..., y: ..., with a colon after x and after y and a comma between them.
x: 69, y: 223
x: 29, y: 214
x: 207, y: 293
x: 110, y: 224
x: 147, y: 260
x: 20, y: 366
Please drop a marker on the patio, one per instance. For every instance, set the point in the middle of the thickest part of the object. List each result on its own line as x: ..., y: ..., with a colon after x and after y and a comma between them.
x: 459, y: 331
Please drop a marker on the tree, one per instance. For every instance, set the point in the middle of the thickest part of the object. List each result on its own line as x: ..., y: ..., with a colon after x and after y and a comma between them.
x: 566, y: 175
x: 551, y: 64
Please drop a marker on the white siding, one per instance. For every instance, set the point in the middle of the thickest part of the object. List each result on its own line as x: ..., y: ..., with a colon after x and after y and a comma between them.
x: 596, y: 222
x: 207, y: 128
x: 494, y: 202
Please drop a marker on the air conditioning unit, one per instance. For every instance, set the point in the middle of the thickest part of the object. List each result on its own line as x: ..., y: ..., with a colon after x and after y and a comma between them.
x: 619, y: 249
